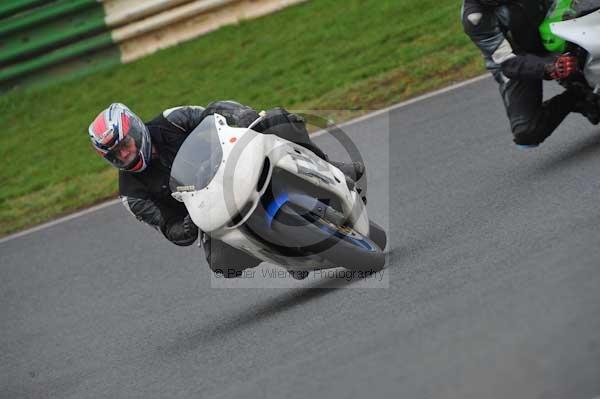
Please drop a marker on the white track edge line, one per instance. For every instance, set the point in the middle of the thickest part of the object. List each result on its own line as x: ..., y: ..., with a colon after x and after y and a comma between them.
x: 407, y: 103
x: 60, y: 220
x: 316, y: 134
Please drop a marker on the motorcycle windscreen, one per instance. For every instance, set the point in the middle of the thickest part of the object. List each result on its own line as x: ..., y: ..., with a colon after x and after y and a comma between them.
x: 198, y: 159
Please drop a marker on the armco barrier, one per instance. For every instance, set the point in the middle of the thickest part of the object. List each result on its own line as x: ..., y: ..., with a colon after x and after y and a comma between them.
x: 11, y: 7
x: 43, y: 39
x: 43, y: 15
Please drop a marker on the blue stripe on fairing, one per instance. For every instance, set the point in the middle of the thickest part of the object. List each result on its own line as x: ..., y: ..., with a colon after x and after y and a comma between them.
x: 275, y: 206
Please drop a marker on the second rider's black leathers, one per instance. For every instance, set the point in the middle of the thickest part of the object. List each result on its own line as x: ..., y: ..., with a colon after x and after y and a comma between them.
x: 506, y: 32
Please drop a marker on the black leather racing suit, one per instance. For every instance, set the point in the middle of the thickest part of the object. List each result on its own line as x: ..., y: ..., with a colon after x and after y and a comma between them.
x: 507, y: 34
x: 148, y: 197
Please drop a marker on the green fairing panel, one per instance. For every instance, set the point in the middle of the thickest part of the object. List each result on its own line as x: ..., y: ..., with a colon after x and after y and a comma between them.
x: 560, y: 10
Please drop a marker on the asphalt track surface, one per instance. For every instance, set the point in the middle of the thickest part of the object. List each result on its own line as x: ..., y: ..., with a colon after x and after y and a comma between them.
x: 493, y: 284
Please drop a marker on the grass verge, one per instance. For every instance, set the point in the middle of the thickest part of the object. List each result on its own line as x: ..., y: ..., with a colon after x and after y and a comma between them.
x: 323, y: 54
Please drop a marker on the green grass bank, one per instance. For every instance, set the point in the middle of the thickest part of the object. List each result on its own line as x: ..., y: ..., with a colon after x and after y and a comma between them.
x: 323, y: 54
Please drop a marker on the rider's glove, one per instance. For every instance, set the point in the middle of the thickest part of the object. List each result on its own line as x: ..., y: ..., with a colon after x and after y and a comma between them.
x: 189, y: 227
x: 181, y: 232
x: 563, y: 67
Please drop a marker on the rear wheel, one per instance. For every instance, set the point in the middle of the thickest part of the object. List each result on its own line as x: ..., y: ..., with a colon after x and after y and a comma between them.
x: 377, y: 234
x: 339, y: 246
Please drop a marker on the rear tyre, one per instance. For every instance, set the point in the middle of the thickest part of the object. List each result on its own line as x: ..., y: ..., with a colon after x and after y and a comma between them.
x: 377, y: 234
x: 338, y: 246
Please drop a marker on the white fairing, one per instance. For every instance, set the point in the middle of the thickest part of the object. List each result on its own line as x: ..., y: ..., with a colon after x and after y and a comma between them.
x: 234, y: 191
x: 208, y: 207
x: 585, y: 32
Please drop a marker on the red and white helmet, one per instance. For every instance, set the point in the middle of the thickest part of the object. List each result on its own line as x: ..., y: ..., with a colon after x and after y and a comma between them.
x: 121, y: 138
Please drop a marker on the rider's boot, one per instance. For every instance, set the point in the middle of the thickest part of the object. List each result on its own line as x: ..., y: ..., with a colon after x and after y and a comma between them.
x: 354, y: 170
x: 590, y: 108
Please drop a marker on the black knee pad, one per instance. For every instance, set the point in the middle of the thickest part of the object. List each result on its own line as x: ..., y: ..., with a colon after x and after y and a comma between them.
x: 226, y: 260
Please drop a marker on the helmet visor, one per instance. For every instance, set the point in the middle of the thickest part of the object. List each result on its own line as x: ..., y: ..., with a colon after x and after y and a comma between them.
x: 127, y: 152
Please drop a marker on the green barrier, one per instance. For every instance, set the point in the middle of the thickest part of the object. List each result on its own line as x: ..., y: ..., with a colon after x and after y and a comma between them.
x: 74, y: 68
x: 52, y: 34
x: 41, y: 15
x: 11, y: 7
x: 61, y: 55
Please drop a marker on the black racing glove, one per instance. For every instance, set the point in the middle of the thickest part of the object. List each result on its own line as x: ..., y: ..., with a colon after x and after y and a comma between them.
x: 181, y: 232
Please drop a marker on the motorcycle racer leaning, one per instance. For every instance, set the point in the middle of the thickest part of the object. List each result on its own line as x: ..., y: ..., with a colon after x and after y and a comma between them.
x: 144, y: 154
x: 506, y: 33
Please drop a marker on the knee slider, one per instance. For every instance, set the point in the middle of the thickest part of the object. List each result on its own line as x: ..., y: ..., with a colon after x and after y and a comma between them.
x: 528, y: 137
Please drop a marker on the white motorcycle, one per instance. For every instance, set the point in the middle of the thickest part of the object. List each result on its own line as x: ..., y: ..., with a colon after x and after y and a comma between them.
x: 274, y: 200
x: 578, y: 36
